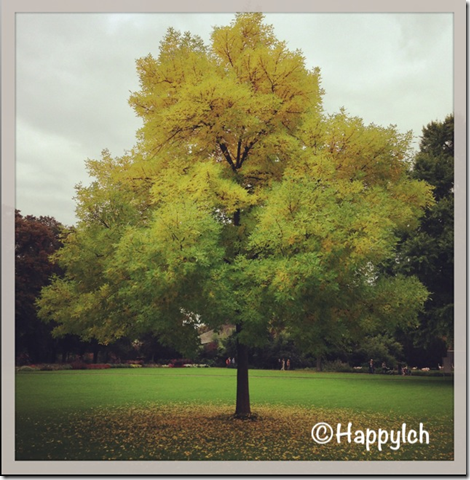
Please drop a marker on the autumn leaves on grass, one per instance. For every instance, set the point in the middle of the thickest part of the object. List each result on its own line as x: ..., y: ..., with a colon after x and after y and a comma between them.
x: 210, y: 432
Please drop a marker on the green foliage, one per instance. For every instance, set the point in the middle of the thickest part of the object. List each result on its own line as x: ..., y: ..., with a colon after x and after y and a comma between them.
x: 242, y: 202
x: 381, y: 348
x: 336, y: 366
x: 428, y: 252
x: 268, y: 352
x: 37, y: 239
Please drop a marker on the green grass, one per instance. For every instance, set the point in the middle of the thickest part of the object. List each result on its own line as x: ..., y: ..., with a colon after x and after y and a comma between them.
x: 54, y: 410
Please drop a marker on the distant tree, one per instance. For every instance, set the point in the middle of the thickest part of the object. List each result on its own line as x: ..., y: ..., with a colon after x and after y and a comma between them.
x: 152, y: 350
x: 381, y: 348
x: 242, y: 203
x: 428, y: 252
x: 36, y: 239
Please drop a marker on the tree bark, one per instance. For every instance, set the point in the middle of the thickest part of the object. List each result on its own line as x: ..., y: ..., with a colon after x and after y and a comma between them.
x: 243, y: 392
x: 242, y: 408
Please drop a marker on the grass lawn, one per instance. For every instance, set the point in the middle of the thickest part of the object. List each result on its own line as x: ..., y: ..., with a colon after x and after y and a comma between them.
x: 177, y: 414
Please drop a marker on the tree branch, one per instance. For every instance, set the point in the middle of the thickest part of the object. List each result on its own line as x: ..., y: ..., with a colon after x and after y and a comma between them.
x: 227, y: 156
x: 247, y: 149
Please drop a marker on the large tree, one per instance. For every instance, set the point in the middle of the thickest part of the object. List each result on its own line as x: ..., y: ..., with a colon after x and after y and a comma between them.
x: 242, y: 202
x: 428, y: 252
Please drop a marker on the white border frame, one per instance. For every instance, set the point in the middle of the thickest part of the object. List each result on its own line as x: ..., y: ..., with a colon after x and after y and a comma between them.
x: 9, y: 8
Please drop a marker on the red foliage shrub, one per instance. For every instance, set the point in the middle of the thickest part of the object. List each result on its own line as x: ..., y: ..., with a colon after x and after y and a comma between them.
x: 78, y: 365
x: 180, y: 362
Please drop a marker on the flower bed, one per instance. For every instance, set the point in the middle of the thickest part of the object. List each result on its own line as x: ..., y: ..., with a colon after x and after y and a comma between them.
x: 97, y: 366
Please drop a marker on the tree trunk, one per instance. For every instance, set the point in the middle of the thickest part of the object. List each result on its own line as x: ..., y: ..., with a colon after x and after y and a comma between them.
x: 243, y: 393
x: 242, y: 408
x: 319, y: 364
x: 95, y: 354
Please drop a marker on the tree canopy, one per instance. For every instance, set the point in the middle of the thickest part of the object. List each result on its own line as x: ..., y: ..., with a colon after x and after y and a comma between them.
x: 242, y: 202
x: 35, y: 240
x: 428, y: 252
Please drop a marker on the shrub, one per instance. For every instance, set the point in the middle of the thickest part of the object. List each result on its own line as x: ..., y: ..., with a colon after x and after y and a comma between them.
x: 135, y: 362
x: 78, y: 365
x: 337, y: 366
x: 97, y: 366
x: 179, y: 362
x: 47, y: 368
x: 28, y: 368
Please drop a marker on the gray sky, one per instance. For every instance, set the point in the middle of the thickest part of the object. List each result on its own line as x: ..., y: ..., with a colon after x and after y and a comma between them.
x: 75, y: 72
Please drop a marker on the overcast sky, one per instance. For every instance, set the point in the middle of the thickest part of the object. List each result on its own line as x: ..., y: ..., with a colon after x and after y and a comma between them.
x: 75, y: 73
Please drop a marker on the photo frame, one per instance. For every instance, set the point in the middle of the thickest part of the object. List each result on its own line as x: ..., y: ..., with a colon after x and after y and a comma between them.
x: 10, y: 10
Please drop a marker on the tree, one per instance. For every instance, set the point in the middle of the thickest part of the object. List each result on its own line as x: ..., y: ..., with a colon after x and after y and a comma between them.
x: 35, y: 240
x: 241, y: 203
x: 428, y: 252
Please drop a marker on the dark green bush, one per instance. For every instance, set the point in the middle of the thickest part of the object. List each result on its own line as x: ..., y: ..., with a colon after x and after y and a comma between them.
x: 336, y: 366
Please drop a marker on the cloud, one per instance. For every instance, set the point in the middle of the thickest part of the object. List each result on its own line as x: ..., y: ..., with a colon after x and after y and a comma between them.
x: 423, y: 34
x: 73, y: 80
x: 51, y: 166
x: 385, y: 68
